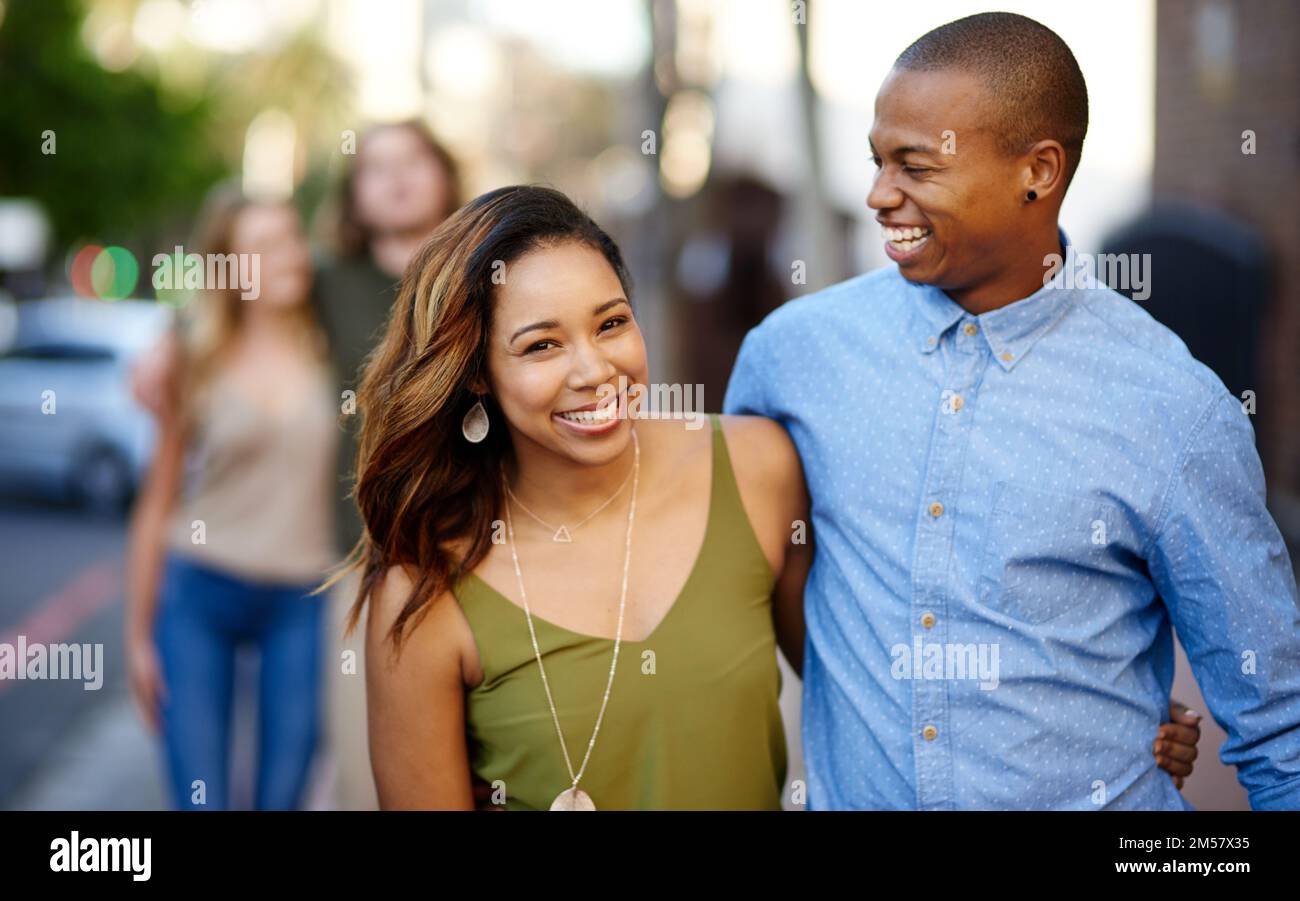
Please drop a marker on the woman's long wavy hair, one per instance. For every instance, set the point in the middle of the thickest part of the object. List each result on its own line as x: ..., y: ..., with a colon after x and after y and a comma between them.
x: 422, y: 489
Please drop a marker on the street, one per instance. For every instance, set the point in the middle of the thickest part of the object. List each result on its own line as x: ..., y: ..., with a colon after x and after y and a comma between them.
x: 63, y: 747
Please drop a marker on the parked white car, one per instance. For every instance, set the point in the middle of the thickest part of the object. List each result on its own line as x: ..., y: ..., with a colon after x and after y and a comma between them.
x: 69, y: 427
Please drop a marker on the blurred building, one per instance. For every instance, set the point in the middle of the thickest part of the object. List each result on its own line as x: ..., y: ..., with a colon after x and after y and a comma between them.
x: 1224, y: 244
x: 1227, y: 70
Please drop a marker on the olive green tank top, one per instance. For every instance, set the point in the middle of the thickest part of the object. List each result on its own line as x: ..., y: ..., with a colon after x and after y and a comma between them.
x: 692, y: 721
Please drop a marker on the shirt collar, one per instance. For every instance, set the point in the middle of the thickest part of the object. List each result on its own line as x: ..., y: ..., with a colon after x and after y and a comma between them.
x: 1011, y: 331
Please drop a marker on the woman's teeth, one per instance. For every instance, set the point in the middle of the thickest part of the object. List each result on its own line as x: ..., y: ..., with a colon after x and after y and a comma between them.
x: 906, y: 239
x: 590, y: 417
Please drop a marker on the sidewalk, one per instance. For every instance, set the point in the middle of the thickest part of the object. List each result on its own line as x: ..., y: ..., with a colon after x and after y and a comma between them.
x: 109, y: 761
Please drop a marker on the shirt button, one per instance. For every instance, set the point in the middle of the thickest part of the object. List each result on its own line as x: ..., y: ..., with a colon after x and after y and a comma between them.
x: 927, y: 619
x: 957, y: 402
x: 1007, y: 356
x: 930, y: 733
x: 970, y: 329
x: 932, y: 340
x: 936, y: 509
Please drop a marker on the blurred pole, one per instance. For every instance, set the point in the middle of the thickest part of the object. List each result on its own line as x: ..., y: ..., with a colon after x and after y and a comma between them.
x: 817, y: 241
x: 657, y: 253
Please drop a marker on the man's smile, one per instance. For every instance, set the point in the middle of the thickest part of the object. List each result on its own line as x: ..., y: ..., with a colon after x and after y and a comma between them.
x: 903, y: 242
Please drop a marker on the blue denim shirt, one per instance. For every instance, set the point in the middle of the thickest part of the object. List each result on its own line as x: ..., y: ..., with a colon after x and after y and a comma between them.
x: 1010, y: 511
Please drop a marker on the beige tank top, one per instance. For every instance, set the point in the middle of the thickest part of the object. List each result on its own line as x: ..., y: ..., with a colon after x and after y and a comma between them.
x: 257, y: 498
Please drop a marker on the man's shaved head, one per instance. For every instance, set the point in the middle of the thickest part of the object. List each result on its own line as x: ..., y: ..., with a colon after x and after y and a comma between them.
x: 1035, y: 85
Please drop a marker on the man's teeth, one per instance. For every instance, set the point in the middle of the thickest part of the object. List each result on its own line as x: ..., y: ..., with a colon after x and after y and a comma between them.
x: 590, y: 417
x: 907, y: 238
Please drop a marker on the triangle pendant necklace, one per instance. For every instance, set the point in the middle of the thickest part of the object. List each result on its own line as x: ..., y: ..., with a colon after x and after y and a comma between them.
x: 562, y: 533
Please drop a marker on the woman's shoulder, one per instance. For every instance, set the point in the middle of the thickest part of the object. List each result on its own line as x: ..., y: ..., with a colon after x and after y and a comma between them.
x: 761, y: 452
x: 769, y: 478
x: 438, y: 632
x: 388, y: 598
x: 761, y: 448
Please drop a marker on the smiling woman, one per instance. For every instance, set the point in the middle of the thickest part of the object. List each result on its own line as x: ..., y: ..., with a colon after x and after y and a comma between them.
x: 505, y: 575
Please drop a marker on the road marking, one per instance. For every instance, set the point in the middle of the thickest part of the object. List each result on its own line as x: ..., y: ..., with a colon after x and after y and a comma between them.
x: 58, y: 615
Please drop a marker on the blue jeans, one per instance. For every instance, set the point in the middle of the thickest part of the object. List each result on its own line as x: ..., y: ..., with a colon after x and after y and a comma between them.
x: 204, y: 615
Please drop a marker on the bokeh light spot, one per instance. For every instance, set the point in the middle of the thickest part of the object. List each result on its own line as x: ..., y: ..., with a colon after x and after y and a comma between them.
x: 114, y: 273
x: 79, y: 274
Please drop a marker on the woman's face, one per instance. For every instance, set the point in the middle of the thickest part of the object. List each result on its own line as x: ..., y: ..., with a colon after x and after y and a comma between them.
x: 400, y: 186
x: 562, y: 329
x: 273, y: 232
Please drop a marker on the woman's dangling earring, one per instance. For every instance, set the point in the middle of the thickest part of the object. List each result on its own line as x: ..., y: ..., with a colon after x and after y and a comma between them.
x: 475, y: 424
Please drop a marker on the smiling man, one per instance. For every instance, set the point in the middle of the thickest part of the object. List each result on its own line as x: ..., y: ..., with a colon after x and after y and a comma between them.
x: 996, y: 463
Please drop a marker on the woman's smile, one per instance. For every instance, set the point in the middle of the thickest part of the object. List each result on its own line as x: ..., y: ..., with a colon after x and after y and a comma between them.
x: 591, y: 419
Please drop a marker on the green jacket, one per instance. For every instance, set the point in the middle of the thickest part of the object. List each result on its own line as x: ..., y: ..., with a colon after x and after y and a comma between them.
x: 353, y: 298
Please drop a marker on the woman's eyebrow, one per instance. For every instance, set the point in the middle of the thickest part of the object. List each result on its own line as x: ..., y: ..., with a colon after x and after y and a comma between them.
x: 544, y: 324
x: 551, y: 323
x: 608, y: 304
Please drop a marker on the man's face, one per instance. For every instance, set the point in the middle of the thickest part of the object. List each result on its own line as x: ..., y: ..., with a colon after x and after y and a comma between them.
x: 941, y: 171
x: 400, y: 185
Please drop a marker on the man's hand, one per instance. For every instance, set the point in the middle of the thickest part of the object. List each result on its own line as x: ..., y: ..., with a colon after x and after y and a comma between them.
x: 1175, y: 745
x: 152, y: 375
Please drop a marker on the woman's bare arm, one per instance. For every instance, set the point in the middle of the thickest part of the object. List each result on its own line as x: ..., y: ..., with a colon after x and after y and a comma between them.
x: 772, y: 487
x: 148, y: 520
x: 159, y: 488
x: 416, y: 703
x: 146, y: 544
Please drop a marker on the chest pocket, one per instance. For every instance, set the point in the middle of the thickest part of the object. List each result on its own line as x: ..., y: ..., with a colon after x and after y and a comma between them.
x: 1043, y: 552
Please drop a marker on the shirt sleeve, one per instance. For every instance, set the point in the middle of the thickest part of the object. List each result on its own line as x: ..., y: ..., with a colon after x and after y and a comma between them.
x: 1222, y: 568
x: 745, y: 388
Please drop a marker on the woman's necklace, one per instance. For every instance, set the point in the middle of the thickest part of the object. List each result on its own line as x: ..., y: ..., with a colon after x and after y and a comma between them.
x: 574, y: 798
x: 563, y: 533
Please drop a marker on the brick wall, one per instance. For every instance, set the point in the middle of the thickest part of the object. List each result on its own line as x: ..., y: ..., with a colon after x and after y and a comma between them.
x: 1224, y: 66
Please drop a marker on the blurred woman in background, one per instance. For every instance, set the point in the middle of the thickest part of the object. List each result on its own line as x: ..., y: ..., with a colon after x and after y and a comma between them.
x: 396, y: 189
x: 234, y: 525
x: 400, y: 185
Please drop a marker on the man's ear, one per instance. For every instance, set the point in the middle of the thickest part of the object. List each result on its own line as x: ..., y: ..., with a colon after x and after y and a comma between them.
x: 1045, y: 169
